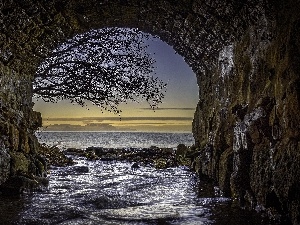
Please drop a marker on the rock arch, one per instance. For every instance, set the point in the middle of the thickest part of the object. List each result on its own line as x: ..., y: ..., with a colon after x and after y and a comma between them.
x: 246, y: 58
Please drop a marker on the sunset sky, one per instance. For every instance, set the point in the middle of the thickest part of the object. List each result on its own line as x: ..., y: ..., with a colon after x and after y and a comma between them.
x: 175, y: 114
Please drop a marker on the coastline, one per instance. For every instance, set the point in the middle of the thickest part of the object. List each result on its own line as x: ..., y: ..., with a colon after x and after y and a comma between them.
x: 125, y: 131
x: 82, y: 140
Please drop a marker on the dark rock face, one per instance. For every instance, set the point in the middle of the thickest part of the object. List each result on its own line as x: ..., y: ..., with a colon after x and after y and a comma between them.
x: 246, y: 58
x: 4, y: 164
x: 248, y: 129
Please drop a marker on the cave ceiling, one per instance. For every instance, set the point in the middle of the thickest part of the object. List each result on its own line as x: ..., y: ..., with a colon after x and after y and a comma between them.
x: 196, y: 29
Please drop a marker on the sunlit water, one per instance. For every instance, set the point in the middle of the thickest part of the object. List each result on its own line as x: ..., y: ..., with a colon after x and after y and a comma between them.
x: 115, y: 139
x: 98, y: 192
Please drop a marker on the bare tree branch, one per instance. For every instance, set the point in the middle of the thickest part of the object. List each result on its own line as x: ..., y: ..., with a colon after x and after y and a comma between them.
x: 106, y: 67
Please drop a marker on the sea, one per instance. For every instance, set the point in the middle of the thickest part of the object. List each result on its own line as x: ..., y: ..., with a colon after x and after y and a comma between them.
x: 83, y: 140
x: 112, y: 193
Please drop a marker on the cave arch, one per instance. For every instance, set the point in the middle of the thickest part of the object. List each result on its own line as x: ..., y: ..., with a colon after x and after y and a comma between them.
x: 195, y: 29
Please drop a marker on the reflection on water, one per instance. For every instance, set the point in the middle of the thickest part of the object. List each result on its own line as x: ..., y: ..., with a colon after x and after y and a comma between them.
x: 84, y: 140
x: 112, y: 193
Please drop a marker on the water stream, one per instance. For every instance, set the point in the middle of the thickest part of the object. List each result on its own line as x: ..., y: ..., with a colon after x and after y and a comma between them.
x: 112, y: 193
x: 97, y: 192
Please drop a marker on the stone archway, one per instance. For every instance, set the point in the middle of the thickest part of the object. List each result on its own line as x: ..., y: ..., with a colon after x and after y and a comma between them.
x: 244, y: 54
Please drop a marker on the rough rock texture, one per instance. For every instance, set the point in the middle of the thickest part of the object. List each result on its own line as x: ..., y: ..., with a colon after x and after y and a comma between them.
x: 246, y: 58
x: 247, y: 122
x: 18, y: 144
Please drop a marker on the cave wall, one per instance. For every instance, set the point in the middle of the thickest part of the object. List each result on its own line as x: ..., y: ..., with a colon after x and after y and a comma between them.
x: 247, y: 122
x: 245, y: 55
x: 18, y: 122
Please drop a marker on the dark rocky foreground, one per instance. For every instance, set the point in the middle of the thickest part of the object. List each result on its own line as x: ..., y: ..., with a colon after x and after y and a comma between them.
x: 159, y: 158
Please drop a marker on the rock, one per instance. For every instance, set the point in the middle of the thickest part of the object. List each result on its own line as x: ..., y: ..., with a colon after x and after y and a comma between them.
x: 226, y: 169
x: 19, y: 162
x: 186, y: 155
x: 17, y: 184
x: 74, y: 151
x: 54, y: 156
x: 181, y: 153
x: 160, y: 163
x: 161, y: 157
x: 99, y: 151
x: 89, y: 153
x: 135, y: 166
x: 4, y: 164
x: 80, y: 169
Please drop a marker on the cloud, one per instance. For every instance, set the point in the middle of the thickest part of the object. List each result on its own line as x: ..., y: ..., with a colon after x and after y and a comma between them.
x: 128, y: 128
x: 170, y: 124
x: 87, y: 127
x: 193, y: 109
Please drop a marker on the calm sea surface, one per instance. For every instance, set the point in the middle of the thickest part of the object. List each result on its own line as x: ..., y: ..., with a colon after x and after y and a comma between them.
x: 98, y: 192
x: 115, y: 139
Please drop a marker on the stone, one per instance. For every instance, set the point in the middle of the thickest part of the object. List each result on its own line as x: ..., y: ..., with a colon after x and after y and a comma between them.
x: 14, y: 137
x: 160, y: 163
x: 181, y: 152
x: 19, y: 163
x: 225, y: 171
x: 4, y: 164
x: 17, y: 184
x: 80, y: 169
x: 135, y: 166
x: 53, y: 156
x: 24, y: 145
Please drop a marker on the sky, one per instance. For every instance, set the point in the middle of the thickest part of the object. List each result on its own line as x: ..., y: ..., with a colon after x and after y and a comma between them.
x: 174, y: 114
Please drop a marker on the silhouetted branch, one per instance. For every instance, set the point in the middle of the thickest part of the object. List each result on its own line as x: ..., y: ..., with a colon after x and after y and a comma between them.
x: 105, y: 67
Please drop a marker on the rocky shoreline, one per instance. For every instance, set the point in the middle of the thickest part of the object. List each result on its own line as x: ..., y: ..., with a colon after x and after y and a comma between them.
x: 159, y: 158
x: 52, y: 156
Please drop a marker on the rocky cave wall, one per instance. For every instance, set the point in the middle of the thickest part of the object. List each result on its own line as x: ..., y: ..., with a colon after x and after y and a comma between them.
x: 246, y: 58
x: 18, y: 122
x: 247, y: 122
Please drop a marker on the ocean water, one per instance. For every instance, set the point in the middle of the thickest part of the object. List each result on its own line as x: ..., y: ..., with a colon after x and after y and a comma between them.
x: 83, y: 140
x: 111, y: 193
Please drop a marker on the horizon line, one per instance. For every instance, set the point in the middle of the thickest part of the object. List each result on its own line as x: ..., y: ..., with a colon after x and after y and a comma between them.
x: 119, y: 118
x: 168, y: 108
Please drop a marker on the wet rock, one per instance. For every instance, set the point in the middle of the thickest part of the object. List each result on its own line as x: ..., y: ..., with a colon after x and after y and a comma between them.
x: 240, y: 111
x: 80, y: 169
x: 255, y: 108
x: 99, y: 151
x: 54, y: 156
x: 135, y: 166
x: 180, y: 156
x: 19, y: 183
x: 88, y: 153
x: 160, y: 163
x: 186, y: 155
x: 158, y: 157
